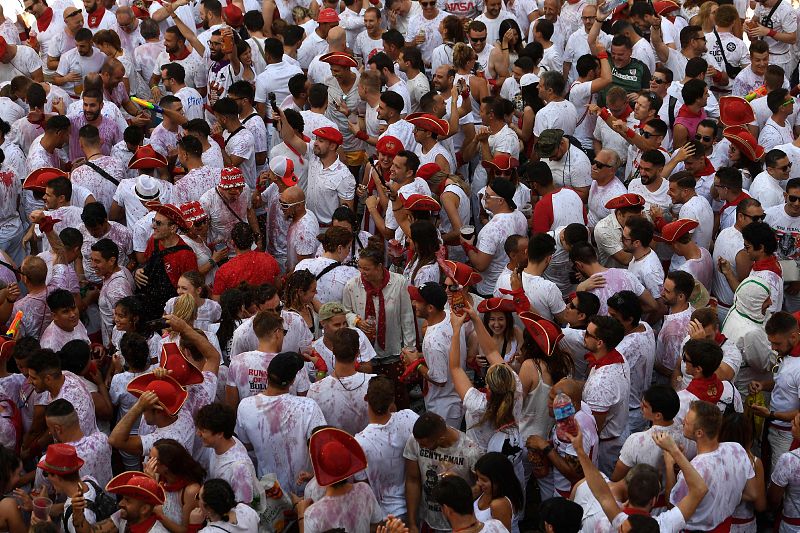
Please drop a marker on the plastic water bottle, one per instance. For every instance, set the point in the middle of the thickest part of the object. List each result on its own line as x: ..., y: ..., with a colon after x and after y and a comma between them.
x: 611, y: 5
x: 564, y: 413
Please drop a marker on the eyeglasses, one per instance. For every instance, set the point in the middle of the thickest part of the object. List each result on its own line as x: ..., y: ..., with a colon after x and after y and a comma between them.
x: 658, y: 81
x: 784, y: 168
x: 487, y: 196
x: 477, y: 39
x: 756, y: 218
x: 648, y: 134
x: 700, y: 38
x: 792, y: 198
x: 704, y: 138
x: 592, y: 335
x: 284, y: 205
x: 427, y: 4
x: 598, y: 164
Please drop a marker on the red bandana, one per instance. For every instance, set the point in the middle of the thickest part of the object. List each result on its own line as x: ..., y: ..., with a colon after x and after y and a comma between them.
x: 688, y: 113
x: 142, y: 527
x: 736, y: 201
x: 369, y: 309
x: 176, y: 485
x: 96, y: 17
x: 768, y: 263
x: 720, y: 339
x: 626, y: 113
x: 613, y: 357
x: 183, y: 55
x: 706, y: 389
x: 795, y: 351
x: 632, y: 511
x: 295, y: 152
x: 44, y: 20
x: 708, y: 169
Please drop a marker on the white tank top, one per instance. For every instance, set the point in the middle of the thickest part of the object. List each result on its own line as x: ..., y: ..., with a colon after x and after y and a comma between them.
x: 727, y: 247
x: 438, y: 149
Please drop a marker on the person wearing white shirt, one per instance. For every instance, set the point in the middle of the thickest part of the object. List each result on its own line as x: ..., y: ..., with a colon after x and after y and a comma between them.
x: 569, y: 164
x: 766, y: 187
x: 775, y: 23
x: 778, y: 128
x: 578, y: 45
x: 274, y: 79
x: 493, y: 16
x: 423, y: 29
x: 367, y: 42
x: 605, y: 186
x: 725, y: 47
x: 410, y: 63
x: 175, y: 49
x: 352, y: 20
x: 315, y: 44
x: 558, y: 113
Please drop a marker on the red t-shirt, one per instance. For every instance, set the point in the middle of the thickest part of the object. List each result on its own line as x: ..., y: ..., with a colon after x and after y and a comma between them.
x: 254, y: 267
x: 175, y: 263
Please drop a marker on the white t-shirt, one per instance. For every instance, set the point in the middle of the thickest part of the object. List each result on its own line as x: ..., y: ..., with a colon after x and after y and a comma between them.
x: 302, y: 239
x: 573, y: 169
x: 342, y: 400
x: 442, y: 400
x: 491, y: 240
x: 556, y: 115
x: 599, y: 195
x: 606, y: 391
x: 787, y: 476
x: 331, y: 285
x: 365, y: 350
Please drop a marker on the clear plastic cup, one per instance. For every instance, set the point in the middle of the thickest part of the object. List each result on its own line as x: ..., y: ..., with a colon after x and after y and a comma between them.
x: 41, y: 507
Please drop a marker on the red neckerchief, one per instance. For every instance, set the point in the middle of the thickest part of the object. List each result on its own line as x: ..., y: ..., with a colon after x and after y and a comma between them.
x: 768, y: 263
x: 688, y: 113
x: 44, y: 20
x: 613, y: 357
x: 720, y: 339
x: 708, y: 169
x: 94, y: 18
x: 187, y: 51
x: 142, y: 527
x: 41, y: 122
x: 176, y: 485
x: 632, y: 510
x: 736, y: 201
x: 295, y: 152
x: 140, y: 13
x: 626, y: 113
x: 706, y: 389
x: 795, y: 351
x: 369, y: 309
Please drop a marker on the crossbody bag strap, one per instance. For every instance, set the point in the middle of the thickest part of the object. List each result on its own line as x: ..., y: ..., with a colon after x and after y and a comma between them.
x: 722, y: 50
x: 102, y: 172
x: 327, y: 269
x: 229, y: 207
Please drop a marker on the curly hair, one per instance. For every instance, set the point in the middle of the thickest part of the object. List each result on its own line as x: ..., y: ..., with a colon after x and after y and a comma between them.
x: 299, y: 280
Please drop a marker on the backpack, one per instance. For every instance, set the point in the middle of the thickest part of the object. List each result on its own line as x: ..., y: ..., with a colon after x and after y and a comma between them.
x: 103, y: 506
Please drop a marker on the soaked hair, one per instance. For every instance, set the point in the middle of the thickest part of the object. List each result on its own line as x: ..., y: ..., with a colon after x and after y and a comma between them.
x: 501, y: 385
x: 299, y: 280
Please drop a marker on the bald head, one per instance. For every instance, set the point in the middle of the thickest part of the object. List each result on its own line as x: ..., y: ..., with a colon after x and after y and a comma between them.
x: 93, y: 81
x: 69, y: 11
x: 292, y: 195
x: 35, y: 271
x: 124, y: 11
x: 337, y: 39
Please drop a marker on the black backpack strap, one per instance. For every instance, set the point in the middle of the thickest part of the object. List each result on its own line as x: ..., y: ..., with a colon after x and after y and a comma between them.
x: 671, y: 111
x: 234, y: 213
x: 102, y: 172
x: 327, y: 269
x: 722, y: 50
x: 767, y: 21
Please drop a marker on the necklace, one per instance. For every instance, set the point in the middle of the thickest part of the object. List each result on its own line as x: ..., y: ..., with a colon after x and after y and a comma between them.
x: 475, y: 523
x: 363, y: 380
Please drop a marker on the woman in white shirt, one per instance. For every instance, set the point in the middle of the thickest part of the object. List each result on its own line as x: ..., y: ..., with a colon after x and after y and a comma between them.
x: 452, y: 29
x: 423, y: 266
x: 218, y: 508
x: 193, y: 284
x: 300, y: 296
x: 128, y: 313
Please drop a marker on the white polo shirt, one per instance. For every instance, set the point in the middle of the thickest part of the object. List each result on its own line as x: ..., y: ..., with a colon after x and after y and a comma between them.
x: 327, y: 187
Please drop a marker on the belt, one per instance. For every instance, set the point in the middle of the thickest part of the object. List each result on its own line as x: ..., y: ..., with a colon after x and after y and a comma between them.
x: 740, y: 521
x: 779, y: 428
x: 792, y: 521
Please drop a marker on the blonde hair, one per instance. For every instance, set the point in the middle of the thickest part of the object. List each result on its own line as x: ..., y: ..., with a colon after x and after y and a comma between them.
x: 371, y: 80
x: 436, y: 181
x: 185, y: 308
x: 462, y: 54
x: 500, y: 406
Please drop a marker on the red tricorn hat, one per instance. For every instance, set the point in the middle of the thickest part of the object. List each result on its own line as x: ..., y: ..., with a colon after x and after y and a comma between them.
x: 233, y: 15
x: 389, y: 145
x: 462, y: 273
x: 137, y: 486
x: 501, y: 161
x: 735, y: 111
x: 231, y: 178
x: 502, y: 305
x: 172, y: 212
x: 329, y: 134
x: 335, y: 456
x: 428, y: 122
x: 676, y: 229
x: 665, y: 6
x: 192, y: 212
x: 341, y: 59
x: 743, y: 140
x: 61, y: 459
x: 3, y: 46
x: 39, y: 178
x: 545, y: 333
x: 327, y: 15
x: 625, y: 200
x: 183, y: 371
x: 6, y: 348
x: 170, y: 393
x: 428, y: 170
x: 145, y: 157
x: 421, y: 202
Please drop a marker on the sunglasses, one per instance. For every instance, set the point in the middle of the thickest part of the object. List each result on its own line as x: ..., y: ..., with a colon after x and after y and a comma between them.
x: 78, y: 12
x: 29, y: 9
x: 284, y: 205
x: 758, y: 218
x: 792, y: 198
x: 159, y: 223
x: 658, y: 81
x: 477, y: 39
x: 647, y: 134
x: 592, y: 335
x: 784, y: 167
x: 704, y: 138
x: 427, y: 4
x: 598, y: 164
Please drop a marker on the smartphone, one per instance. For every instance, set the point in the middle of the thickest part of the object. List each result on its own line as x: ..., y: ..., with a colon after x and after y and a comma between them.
x: 158, y: 324
x: 273, y: 102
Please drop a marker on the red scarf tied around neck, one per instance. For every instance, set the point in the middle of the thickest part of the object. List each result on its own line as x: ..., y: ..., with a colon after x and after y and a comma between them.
x: 610, y: 358
x: 142, y: 527
x: 44, y: 20
x: 707, y: 389
x: 768, y: 263
x: 94, y: 18
x: 369, y: 309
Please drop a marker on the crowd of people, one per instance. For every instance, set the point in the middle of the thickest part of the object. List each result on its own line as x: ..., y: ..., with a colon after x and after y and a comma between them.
x: 399, y: 265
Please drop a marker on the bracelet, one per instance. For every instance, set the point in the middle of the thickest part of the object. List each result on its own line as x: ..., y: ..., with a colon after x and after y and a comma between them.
x: 501, y: 48
x: 362, y: 135
x: 630, y: 134
x: 602, y: 55
x: 772, y: 33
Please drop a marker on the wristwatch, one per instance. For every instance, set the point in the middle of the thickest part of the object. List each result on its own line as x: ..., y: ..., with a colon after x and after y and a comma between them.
x: 547, y: 449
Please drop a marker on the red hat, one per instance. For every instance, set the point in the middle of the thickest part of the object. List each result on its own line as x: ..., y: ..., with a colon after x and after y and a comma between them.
x: 676, y: 229
x: 665, y: 6
x: 183, y: 371
x: 231, y: 178
x: 192, y: 212
x: 545, y: 333
x: 342, y: 59
x: 743, y: 140
x: 233, y: 15
x: 137, y: 486
x: 625, y: 200
x: 329, y: 134
x: 39, y: 178
x: 145, y: 157
x: 501, y: 161
x: 3, y: 46
x: 428, y: 170
x: 389, y: 145
x: 502, y: 305
x: 6, y: 347
x: 170, y: 393
x: 61, y: 459
x: 283, y: 167
x: 335, y: 456
x: 327, y: 15
x: 428, y: 122
x: 421, y: 202
x: 462, y: 273
x: 170, y: 211
x: 735, y: 111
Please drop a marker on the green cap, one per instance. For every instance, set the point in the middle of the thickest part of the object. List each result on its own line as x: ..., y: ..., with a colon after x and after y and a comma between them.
x: 330, y: 309
x: 548, y: 142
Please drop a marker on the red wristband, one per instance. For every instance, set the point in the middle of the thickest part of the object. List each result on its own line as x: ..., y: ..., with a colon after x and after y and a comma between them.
x: 717, y: 77
x: 362, y: 135
x: 605, y: 113
x: 772, y: 33
x: 602, y: 55
x: 630, y: 134
x: 468, y: 247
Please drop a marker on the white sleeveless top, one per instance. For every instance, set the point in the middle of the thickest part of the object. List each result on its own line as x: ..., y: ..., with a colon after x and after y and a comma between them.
x: 437, y: 149
x: 535, y: 419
